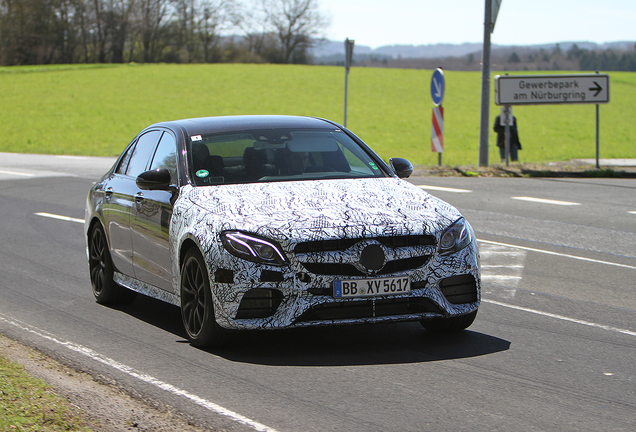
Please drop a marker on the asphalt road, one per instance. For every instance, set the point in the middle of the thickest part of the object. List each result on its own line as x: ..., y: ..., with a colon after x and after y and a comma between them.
x: 552, y: 348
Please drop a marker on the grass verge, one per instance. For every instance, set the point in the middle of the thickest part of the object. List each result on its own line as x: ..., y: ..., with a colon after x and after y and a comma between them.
x: 27, y: 403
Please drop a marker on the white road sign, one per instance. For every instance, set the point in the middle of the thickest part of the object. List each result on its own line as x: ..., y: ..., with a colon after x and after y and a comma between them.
x: 496, y: 4
x: 551, y: 89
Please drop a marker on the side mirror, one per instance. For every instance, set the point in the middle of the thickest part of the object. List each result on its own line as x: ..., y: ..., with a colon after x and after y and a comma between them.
x: 158, y: 179
x: 402, y: 167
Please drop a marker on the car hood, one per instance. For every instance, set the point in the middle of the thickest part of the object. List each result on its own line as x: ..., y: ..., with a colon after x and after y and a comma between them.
x: 324, y: 208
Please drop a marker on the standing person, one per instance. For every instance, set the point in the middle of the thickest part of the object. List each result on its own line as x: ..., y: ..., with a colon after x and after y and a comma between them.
x: 515, y: 144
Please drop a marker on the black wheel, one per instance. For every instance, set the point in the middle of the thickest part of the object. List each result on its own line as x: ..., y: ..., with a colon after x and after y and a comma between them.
x: 197, y: 309
x: 449, y: 325
x: 100, y: 265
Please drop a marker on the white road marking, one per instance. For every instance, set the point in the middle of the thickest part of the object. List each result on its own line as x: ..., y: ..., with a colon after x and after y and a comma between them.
x: 140, y: 375
x: 500, y: 278
x: 502, y: 265
x: 558, y: 254
x: 632, y: 212
x: 16, y: 173
x: 563, y: 318
x: 72, y: 157
x: 546, y: 201
x: 444, y: 189
x: 64, y: 218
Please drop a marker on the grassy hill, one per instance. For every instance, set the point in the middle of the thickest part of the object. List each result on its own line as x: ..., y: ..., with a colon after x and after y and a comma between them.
x: 97, y: 109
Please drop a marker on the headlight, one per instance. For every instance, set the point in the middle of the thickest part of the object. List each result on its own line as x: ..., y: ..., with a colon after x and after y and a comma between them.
x: 456, y: 237
x: 253, y: 248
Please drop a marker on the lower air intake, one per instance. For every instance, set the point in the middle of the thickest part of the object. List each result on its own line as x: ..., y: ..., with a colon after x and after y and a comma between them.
x: 259, y: 303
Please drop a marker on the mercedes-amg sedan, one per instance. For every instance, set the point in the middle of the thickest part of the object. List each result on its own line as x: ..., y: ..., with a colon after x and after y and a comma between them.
x: 269, y: 222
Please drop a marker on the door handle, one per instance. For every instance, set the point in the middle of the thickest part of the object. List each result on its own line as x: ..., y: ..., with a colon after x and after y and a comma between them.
x: 139, y: 201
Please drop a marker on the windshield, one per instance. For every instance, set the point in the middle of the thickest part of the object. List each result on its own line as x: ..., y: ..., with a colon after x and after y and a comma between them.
x: 278, y: 155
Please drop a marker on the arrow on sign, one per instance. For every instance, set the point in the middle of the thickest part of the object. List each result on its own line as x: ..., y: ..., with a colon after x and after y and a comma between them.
x: 598, y: 88
x: 438, y: 88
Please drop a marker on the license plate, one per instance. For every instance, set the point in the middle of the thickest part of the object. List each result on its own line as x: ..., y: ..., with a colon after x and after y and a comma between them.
x: 371, y: 287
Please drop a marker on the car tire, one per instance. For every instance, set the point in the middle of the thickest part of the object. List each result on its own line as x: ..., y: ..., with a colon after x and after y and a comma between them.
x: 197, y: 308
x: 101, y: 269
x: 449, y: 325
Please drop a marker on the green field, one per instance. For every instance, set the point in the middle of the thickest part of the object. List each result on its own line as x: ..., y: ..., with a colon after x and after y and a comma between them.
x: 97, y: 109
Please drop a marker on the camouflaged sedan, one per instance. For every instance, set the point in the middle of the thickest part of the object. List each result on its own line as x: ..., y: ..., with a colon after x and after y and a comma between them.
x: 270, y: 222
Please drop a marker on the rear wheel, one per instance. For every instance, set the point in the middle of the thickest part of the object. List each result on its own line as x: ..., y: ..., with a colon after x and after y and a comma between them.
x: 101, y: 269
x: 449, y: 325
x: 197, y: 309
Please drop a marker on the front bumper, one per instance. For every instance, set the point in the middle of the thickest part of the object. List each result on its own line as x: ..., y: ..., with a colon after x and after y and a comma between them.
x: 269, y: 298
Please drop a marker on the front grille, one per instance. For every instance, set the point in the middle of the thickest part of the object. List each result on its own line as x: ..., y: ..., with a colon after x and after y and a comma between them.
x: 342, y: 244
x: 407, y: 241
x: 404, y: 264
x: 459, y: 289
x: 325, y: 245
x: 337, y: 269
x: 259, y: 303
x: 367, y: 309
x: 349, y: 269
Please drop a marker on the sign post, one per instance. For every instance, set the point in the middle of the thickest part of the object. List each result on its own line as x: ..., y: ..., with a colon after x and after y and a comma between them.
x: 348, y: 58
x: 554, y: 89
x: 438, y: 87
x: 490, y: 17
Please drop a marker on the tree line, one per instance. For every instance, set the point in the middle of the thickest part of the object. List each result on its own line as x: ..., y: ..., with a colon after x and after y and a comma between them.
x: 606, y: 60
x: 149, y: 31
x: 575, y: 58
x: 621, y: 57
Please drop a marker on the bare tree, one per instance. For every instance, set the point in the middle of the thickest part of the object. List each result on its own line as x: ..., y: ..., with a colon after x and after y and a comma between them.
x: 200, y: 23
x: 122, y: 13
x: 297, y: 25
x: 100, y: 31
x: 104, y: 28
x: 185, y: 17
x: 27, y: 31
x: 215, y: 16
x: 151, y: 17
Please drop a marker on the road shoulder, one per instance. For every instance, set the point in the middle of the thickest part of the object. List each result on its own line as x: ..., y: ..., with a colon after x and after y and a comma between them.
x: 106, y: 407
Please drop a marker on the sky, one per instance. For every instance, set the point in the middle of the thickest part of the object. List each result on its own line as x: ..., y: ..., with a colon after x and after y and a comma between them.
x: 376, y: 23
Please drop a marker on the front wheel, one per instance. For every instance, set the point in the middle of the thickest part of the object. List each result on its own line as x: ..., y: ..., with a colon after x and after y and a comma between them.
x: 197, y: 309
x: 449, y: 325
x: 101, y: 269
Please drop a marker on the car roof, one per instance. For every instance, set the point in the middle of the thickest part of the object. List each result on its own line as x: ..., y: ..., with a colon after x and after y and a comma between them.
x: 208, y: 125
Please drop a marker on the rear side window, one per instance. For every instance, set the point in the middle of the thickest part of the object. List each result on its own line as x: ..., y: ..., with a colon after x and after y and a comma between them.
x: 142, y: 152
x: 123, y: 163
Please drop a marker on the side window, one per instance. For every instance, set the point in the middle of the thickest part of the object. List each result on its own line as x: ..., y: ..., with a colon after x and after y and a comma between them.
x: 166, y: 156
x: 142, y: 152
x: 123, y: 163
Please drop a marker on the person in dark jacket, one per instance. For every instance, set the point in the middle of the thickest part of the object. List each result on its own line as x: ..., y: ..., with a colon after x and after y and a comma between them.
x: 515, y: 144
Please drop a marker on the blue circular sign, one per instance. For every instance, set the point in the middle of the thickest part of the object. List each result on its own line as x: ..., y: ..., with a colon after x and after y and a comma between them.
x: 437, y: 86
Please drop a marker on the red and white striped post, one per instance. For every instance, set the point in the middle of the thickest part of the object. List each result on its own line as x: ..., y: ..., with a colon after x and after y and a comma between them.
x: 437, y: 132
